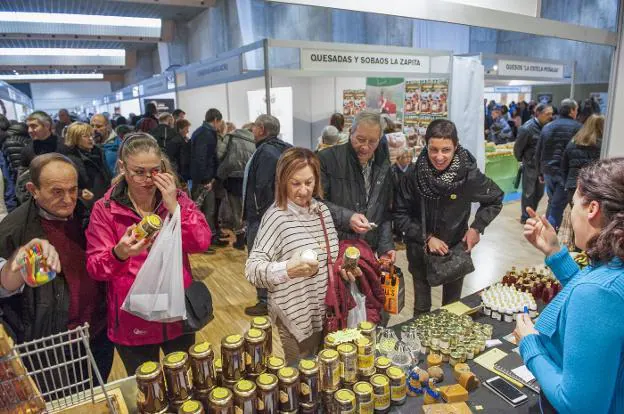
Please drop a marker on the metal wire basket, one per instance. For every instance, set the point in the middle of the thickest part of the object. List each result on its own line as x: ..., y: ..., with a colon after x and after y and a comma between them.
x: 63, y: 369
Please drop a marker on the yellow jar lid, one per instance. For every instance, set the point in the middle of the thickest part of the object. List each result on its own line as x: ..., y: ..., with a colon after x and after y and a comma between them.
x: 363, y: 341
x: 154, y: 220
x: 244, y: 385
x: 307, y: 364
x: 148, y: 367
x: 266, y: 379
x: 352, y: 252
x: 190, y: 406
x: 344, y: 395
x: 254, y: 333
x: 330, y: 339
x: 286, y: 372
x: 220, y: 393
x: 260, y: 320
x: 363, y: 387
x: 366, y: 325
x: 394, y: 372
x: 201, y: 347
x: 346, y: 348
x: 276, y: 361
x: 328, y: 353
x: 382, y: 360
x: 175, y: 357
x: 379, y: 380
x: 233, y: 339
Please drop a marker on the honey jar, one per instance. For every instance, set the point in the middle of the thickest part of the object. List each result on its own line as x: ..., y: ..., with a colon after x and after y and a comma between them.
x: 288, y: 389
x: 232, y: 356
x: 221, y: 401
x: 348, y: 363
x: 255, y: 346
x: 151, y: 391
x: 264, y: 323
x: 329, y: 368
x: 268, y: 394
x: 178, y: 378
x: 309, y: 380
x: 245, y: 399
x: 202, y: 367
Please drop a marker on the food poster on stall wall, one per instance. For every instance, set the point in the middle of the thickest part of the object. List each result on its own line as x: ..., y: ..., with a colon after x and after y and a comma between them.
x: 353, y: 102
x: 386, y: 95
x: 425, y: 101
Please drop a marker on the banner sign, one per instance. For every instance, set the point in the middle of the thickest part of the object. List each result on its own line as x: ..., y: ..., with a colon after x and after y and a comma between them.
x: 213, y: 72
x: 529, y: 69
x: 312, y: 59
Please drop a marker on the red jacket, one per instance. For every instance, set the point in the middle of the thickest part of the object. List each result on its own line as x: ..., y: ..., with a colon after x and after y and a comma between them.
x: 369, y: 283
x: 109, y: 221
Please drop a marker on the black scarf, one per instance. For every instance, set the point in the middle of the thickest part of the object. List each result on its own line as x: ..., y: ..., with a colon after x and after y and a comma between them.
x: 433, y: 184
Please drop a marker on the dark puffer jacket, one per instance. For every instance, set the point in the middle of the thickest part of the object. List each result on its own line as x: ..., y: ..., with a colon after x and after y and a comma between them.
x: 526, y: 143
x: 554, y: 139
x: 93, y: 173
x: 575, y: 157
x: 171, y: 142
x: 14, y: 144
x: 345, y: 194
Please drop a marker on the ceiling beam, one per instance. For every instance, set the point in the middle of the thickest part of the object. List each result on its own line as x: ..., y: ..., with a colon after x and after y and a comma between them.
x: 183, y: 3
x: 117, y: 38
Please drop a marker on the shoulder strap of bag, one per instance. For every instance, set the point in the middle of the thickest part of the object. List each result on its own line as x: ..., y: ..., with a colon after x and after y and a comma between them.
x: 331, y: 285
x: 423, y: 219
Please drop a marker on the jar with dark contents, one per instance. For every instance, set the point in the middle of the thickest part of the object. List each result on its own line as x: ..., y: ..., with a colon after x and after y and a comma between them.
x: 178, y: 378
x: 221, y: 401
x: 327, y: 401
x: 398, y: 385
x: 268, y: 394
x: 263, y: 323
x: 232, y: 356
x: 329, y: 370
x: 245, y: 399
x: 381, y: 393
x: 218, y: 372
x: 192, y: 407
x: 365, y: 357
x: 344, y: 402
x: 288, y: 389
x: 202, y: 367
x: 274, y: 364
x: 382, y: 363
x: 309, y: 408
x: 151, y: 391
x: 364, y: 403
x: 309, y: 377
x: 255, y: 347
x: 348, y: 363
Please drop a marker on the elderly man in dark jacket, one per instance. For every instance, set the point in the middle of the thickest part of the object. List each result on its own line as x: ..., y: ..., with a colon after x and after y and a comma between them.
x: 524, y: 151
x: 259, y: 187
x: 358, y: 185
x: 553, y: 142
x: 204, y: 163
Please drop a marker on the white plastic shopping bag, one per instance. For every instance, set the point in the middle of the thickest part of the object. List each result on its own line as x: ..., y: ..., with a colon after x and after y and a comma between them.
x: 157, y: 293
x: 357, y: 314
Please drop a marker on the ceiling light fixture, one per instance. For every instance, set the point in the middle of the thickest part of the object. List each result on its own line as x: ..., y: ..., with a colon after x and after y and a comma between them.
x: 47, y: 51
x: 82, y: 19
x: 53, y: 76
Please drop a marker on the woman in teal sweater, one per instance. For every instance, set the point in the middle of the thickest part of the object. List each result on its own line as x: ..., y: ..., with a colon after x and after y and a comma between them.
x: 576, y: 348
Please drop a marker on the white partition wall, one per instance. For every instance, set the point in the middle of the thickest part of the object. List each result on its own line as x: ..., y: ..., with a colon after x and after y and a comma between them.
x: 131, y: 106
x: 195, y: 102
x: 238, y: 106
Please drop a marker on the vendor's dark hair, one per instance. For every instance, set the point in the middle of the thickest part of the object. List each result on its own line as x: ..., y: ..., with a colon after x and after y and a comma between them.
x: 603, y: 182
x: 442, y: 128
x: 40, y: 161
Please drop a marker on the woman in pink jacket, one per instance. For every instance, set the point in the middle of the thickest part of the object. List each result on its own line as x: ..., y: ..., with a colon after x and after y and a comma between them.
x: 147, y: 185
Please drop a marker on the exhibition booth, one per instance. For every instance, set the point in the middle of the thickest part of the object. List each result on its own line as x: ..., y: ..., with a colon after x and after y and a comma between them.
x: 14, y: 104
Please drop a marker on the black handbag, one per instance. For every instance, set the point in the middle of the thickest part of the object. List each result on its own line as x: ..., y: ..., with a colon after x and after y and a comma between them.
x: 454, y: 265
x: 199, y: 311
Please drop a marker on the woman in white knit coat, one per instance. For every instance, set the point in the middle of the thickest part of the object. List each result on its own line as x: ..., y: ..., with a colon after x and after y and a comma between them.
x: 297, y: 285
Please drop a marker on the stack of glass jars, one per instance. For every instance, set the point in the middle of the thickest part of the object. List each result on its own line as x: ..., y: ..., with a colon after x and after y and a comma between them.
x: 455, y: 338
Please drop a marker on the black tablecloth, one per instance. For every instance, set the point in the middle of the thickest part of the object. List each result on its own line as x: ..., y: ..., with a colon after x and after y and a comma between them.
x: 482, y: 396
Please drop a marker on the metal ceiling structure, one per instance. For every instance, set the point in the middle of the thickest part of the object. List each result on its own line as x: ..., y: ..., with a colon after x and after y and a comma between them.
x: 97, y: 34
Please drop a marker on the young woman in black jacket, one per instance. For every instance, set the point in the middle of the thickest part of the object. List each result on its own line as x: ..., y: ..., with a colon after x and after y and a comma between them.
x: 445, y: 180
x: 94, y: 178
x: 582, y: 150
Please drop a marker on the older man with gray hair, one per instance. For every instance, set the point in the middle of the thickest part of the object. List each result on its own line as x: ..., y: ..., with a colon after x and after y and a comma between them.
x: 357, y: 183
x: 259, y: 187
x: 329, y: 137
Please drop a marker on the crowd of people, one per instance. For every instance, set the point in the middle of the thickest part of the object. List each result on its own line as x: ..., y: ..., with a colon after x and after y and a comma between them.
x: 78, y: 189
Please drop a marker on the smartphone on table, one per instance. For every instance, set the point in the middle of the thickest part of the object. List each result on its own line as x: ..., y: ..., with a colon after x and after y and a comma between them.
x: 506, y: 391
